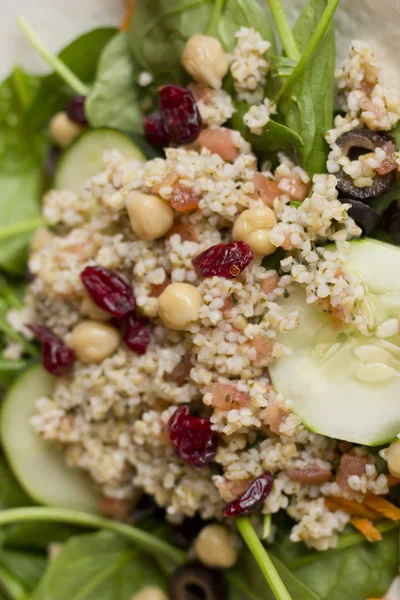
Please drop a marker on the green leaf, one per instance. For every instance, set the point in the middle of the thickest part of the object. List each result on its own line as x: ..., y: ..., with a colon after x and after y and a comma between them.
x: 11, y: 494
x: 282, y: 67
x: 158, y: 33
x: 34, y: 536
x: 383, y: 202
x: 81, y: 56
x: 275, y: 137
x: 21, y: 570
x: 113, y: 101
x: 21, y: 155
x: 307, y: 98
x: 97, y: 566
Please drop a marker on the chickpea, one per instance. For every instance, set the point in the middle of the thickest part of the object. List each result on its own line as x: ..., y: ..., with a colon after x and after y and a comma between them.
x: 40, y: 239
x: 90, y: 308
x: 392, y: 455
x: 179, y: 305
x: 216, y: 546
x: 93, y: 342
x: 253, y: 227
x: 205, y: 60
x: 151, y: 217
x: 240, y: 322
x: 63, y: 130
x: 150, y: 592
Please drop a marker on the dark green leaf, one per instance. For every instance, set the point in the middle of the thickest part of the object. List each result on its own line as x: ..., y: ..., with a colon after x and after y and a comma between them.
x: 275, y: 137
x: 30, y: 536
x: 99, y: 566
x: 308, y: 104
x: 113, y: 101
x: 24, y: 568
x: 11, y: 494
x: 282, y: 67
x: 383, y: 202
x: 242, y: 13
x: 81, y: 56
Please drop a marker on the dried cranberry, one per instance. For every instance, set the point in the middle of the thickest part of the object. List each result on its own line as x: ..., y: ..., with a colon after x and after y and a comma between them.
x: 224, y: 260
x: 57, y: 357
x: 109, y: 291
x: 192, y: 437
x: 252, y: 497
x: 179, y: 114
x: 136, y: 335
x: 154, y: 129
x: 76, y: 110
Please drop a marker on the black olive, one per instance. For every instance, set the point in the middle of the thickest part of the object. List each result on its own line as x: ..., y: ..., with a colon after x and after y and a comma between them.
x: 364, y: 215
x: 391, y: 221
x: 194, y: 581
x: 353, y: 144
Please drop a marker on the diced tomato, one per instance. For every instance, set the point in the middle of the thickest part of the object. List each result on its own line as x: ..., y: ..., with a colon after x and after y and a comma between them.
x: 181, y: 373
x: 264, y: 348
x: 276, y: 413
x: 157, y: 289
x: 389, y: 163
x: 269, y: 284
x: 184, y: 199
x: 114, y: 508
x: 227, y: 307
x: 226, y: 396
x: 370, y: 106
x: 185, y: 230
x: 310, y: 475
x: 266, y: 189
x: 294, y: 187
x: 230, y: 490
x: 168, y: 181
x: 219, y: 141
x: 350, y: 464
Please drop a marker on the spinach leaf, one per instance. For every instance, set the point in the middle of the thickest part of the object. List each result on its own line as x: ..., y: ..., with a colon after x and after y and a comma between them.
x: 275, y: 137
x: 21, y: 155
x: 113, y: 101
x: 307, y: 98
x: 36, y: 536
x: 383, y: 202
x: 20, y: 572
x: 97, y: 566
x: 81, y: 56
x: 282, y: 67
x: 11, y: 494
x: 159, y: 31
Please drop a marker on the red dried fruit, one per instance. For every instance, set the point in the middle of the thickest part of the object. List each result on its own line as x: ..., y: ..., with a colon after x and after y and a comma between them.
x: 109, y: 291
x: 252, y: 498
x: 57, y: 357
x: 75, y: 110
x: 155, y: 131
x: 136, y: 335
x: 224, y: 260
x: 179, y: 114
x: 192, y: 437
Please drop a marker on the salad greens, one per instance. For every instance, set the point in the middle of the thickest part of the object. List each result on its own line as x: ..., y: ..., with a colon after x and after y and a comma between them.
x: 117, y: 560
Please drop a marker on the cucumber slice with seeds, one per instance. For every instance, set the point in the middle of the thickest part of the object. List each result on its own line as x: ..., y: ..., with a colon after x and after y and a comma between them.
x: 84, y: 158
x: 343, y: 384
x: 37, y: 464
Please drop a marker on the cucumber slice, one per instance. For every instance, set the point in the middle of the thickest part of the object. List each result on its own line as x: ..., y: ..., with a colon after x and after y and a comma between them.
x: 39, y: 467
x: 345, y: 385
x: 84, y: 158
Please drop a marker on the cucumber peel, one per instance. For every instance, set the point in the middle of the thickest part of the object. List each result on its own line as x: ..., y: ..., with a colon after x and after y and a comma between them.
x: 342, y: 384
x: 84, y: 158
x: 37, y: 464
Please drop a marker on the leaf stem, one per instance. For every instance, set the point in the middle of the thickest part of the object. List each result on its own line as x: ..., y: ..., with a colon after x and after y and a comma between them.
x: 312, y: 47
x: 216, y: 15
x: 260, y: 554
x: 22, y: 227
x: 284, y: 30
x: 145, y: 540
x: 267, y: 527
x: 63, y: 71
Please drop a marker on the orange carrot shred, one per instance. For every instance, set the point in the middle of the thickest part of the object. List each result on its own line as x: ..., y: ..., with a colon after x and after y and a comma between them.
x: 392, y: 480
x: 130, y: 4
x: 382, y: 506
x: 365, y: 527
x: 352, y: 507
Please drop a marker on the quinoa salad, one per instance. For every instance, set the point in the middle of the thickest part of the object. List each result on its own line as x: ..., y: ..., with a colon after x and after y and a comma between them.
x: 199, y: 312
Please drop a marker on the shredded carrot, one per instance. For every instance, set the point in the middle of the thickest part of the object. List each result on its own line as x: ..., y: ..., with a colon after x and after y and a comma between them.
x: 382, y: 506
x: 130, y: 6
x: 392, y: 480
x: 352, y: 507
x: 365, y: 527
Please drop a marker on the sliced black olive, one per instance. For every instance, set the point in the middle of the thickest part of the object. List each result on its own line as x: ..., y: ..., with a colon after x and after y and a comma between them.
x: 364, y: 215
x: 391, y: 221
x: 353, y: 144
x: 194, y: 581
